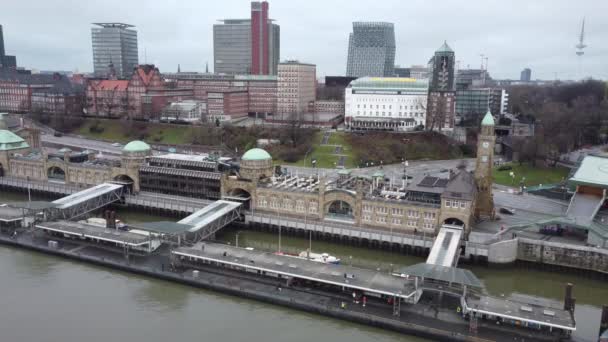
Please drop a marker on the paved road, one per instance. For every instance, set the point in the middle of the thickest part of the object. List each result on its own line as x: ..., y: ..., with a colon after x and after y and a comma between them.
x: 81, y: 143
x: 395, y: 171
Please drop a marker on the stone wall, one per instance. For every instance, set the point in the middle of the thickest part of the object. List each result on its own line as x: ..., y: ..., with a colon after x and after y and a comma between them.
x: 503, y: 252
x: 581, y: 257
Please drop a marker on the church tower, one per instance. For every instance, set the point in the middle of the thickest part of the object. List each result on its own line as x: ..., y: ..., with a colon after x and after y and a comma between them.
x: 483, y: 169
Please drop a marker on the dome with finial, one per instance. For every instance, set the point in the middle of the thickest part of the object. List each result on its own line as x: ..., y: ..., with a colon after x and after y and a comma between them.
x: 488, y: 119
x: 445, y: 48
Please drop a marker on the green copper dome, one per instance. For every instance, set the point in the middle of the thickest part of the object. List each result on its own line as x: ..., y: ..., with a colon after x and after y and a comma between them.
x: 256, y: 154
x: 136, y: 146
x: 11, y: 141
x: 445, y: 48
x: 488, y: 120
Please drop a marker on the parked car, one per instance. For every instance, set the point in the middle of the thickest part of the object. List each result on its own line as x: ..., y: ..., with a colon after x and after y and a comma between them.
x: 507, y: 211
x: 58, y: 134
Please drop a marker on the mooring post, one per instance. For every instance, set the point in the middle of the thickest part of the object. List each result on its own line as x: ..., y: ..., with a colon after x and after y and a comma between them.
x: 568, y: 297
x: 604, y: 321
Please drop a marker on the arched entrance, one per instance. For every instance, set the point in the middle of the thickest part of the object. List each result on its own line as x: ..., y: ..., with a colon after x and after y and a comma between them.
x: 340, y: 209
x: 239, y: 195
x: 126, y: 181
x: 55, y: 173
x: 452, y: 221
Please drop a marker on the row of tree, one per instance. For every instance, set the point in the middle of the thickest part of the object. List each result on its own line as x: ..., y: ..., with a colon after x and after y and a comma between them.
x: 567, y: 117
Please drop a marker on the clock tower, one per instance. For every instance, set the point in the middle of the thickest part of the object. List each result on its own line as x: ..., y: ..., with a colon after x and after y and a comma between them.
x: 483, y: 169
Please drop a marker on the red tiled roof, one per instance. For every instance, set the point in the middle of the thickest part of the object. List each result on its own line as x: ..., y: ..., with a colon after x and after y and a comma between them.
x: 111, y: 85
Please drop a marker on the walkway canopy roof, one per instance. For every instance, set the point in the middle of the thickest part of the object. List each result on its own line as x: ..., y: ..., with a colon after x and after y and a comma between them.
x: 33, y: 205
x: 442, y: 273
x: 593, y: 172
x: 163, y: 227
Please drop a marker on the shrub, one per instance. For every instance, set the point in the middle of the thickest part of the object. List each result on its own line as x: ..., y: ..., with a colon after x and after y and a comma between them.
x: 505, y: 167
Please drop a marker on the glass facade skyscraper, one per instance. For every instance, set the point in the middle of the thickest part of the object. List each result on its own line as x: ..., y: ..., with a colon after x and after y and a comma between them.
x: 6, y: 61
x: 114, y: 49
x: 247, y: 46
x: 371, y: 50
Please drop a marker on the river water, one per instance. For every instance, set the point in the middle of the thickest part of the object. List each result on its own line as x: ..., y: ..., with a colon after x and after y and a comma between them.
x: 52, y: 299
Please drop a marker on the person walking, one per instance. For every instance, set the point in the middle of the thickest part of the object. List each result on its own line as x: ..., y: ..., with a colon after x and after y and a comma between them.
x: 364, y: 300
x: 354, y: 297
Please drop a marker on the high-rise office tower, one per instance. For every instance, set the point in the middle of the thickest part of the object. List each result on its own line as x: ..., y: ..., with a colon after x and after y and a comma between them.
x: 441, y: 67
x: 371, y: 50
x: 247, y: 46
x: 114, y: 49
x: 1, y: 44
x: 526, y: 75
x: 6, y: 61
x: 232, y: 46
x: 442, y: 96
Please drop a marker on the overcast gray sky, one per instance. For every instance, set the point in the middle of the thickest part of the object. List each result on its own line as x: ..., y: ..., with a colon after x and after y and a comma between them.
x: 540, y: 34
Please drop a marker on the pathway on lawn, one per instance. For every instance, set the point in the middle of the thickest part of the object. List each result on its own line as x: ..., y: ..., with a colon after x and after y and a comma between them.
x: 338, y: 150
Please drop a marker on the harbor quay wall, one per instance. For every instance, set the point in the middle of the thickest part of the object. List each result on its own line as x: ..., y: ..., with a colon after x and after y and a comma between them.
x: 560, y: 254
x: 531, y: 251
x: 235, y: 289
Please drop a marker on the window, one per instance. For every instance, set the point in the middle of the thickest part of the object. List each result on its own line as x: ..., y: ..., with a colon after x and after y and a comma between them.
x: 367, y: 218
x: 413, y: 214
x: 463, y: 204
x: 448, y: 203
x: 397, y: 212
x: 367, y: 208
x: 300, y: 206
x: 381, y: 219
x: 381, y: 210
x: 397, y: 221
x: 429, y: 215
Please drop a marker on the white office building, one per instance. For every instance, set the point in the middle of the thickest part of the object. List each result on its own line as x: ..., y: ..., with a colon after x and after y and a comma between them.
x: 185, y: 111
x: 385, y: 103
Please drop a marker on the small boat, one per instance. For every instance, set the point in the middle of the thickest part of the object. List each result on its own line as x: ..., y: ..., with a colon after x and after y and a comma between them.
x: 323, y: 257
x: 316, y: 257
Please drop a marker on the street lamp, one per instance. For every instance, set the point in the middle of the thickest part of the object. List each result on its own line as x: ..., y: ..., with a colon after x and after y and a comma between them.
x: 236, y: 243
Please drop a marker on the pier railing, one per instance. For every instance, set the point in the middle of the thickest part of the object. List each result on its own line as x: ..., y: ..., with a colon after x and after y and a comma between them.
x: 35, y: 185
x: 390, y: 236
x: 166, y: 202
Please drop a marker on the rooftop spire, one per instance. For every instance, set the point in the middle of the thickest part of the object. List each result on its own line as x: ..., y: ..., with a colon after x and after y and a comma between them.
x: 488, y: 119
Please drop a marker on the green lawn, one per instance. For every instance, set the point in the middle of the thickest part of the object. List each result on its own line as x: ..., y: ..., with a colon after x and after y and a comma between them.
x: 533, y: 175
x: 337, y: 138
x: 123, y: 131
x: 325, y: 154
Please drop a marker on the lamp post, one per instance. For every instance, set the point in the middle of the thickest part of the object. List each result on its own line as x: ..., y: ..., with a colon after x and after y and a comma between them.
x: 236, y: 242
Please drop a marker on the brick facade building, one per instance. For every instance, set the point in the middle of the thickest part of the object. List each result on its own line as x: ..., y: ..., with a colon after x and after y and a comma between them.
x: 50, y: 93
x: 226, y: 105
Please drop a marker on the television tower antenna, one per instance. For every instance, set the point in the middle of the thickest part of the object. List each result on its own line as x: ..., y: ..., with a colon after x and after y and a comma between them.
x: 580, y: 48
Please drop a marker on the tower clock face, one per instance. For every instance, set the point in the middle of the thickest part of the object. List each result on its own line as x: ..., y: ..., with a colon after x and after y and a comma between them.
x: 485, y: 144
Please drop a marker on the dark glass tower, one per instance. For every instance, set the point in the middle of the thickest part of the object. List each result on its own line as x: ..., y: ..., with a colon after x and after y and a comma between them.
x: 371, y: 50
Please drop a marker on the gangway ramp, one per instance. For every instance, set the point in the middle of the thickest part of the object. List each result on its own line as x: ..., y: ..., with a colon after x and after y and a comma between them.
x: 87, y: 200
x: 584, y: 207
x: 446, y: 246
x: 210, y: 219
